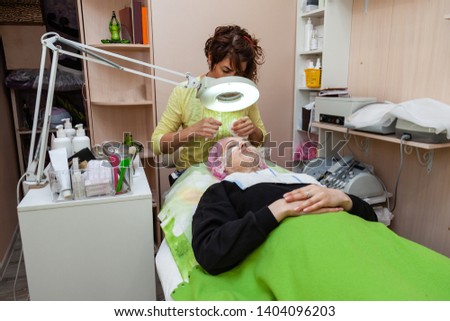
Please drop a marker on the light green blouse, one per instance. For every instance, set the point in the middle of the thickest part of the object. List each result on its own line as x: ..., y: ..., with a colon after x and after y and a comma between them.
x: 185, y: 109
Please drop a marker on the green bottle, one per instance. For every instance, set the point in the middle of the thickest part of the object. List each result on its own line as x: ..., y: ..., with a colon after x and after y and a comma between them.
x: 114, y: 28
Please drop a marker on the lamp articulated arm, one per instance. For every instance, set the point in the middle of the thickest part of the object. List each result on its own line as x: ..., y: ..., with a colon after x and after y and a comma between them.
x: 222, y: 94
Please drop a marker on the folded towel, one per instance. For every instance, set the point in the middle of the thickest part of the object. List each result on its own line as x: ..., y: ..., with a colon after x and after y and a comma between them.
x: 268, y: 175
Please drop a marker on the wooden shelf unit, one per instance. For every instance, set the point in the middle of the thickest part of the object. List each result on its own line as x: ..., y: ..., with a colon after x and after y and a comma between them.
x: 119, y: 102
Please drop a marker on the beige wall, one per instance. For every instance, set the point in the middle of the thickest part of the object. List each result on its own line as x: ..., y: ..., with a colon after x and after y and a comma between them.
x: 400, y: 50
x: 180, y: 29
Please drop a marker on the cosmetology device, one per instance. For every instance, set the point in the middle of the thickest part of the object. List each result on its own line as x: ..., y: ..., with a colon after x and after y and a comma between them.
x: 349, y: 175
x: 419, y: 133
x: 373, y: 118
x: 333, y: 110
x: 224, y: 94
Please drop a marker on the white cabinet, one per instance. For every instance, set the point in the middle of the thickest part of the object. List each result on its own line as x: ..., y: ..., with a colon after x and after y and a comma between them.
x: 93, y: 249
x: 332, y: 20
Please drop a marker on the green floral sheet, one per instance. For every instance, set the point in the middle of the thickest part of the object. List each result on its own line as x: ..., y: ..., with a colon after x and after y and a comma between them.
x: 333, y: 256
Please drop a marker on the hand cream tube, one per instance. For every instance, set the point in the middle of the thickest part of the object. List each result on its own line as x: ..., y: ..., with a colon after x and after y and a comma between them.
x: 58, y: 158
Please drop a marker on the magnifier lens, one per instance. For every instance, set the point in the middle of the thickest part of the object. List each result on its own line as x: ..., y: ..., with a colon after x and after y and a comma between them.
x: 230, y: 97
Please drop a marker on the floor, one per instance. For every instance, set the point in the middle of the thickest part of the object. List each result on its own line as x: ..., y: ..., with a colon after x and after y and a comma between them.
x: 13, y: 280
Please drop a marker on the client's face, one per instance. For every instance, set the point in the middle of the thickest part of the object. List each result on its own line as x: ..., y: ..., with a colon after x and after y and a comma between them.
x: 240, y: 156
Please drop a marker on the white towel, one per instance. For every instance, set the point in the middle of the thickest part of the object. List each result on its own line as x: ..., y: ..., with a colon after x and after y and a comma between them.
x: 425, y: 112
x: 245, y: 180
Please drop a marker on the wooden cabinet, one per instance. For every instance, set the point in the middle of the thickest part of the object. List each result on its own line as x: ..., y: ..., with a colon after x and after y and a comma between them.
x: 332, y: 20
x: 119, y: 102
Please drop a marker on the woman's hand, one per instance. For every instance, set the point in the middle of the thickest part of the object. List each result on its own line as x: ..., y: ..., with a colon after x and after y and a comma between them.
x: 243, y: 127
x: 206, y: 128
x: 318, y: 199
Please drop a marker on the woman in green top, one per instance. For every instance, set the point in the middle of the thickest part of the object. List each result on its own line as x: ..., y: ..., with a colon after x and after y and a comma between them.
x: 186, y: 123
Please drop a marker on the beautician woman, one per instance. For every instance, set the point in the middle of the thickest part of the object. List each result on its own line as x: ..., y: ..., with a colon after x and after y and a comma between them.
x: 186, y: 123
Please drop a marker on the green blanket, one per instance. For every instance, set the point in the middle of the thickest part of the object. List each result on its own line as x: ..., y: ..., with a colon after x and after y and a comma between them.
x: 332, y: 257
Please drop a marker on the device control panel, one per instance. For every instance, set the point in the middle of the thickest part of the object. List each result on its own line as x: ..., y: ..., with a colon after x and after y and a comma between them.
x: 349, y: 175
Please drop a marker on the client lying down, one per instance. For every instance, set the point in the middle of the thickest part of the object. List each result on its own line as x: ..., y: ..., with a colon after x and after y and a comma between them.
x: 236, y: 215
x: 258, y: 235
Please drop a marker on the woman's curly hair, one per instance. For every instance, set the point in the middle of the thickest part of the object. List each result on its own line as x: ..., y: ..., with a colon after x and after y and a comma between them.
x: 236, y: 43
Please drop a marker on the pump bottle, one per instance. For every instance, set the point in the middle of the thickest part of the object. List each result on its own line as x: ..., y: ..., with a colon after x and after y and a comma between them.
x: 70, y: 132
x: 62, y: 141
x: 80, y: 141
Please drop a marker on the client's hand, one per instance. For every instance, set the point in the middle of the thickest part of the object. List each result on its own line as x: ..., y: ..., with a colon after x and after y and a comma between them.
x: 319, y: 199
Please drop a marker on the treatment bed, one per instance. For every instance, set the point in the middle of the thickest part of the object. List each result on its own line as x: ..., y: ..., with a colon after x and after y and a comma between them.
x: 333, y: 257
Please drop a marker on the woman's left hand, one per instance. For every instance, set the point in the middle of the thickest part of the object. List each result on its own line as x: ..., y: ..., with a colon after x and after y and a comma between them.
x: 243, y: 127
x: 319, y: 199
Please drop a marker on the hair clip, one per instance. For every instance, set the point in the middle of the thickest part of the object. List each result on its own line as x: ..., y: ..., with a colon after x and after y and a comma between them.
x: 249, y: 41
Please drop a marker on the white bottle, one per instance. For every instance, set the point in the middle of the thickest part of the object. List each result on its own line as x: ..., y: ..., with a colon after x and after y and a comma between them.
x: 80, y: 141
x: 308, y: 35
x: 314, y: 40
x: 70, y: 132
x: 318, y: 66
x: 62, y: 141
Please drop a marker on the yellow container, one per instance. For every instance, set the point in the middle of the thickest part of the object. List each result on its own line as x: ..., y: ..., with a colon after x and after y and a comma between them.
x: 312, y: 77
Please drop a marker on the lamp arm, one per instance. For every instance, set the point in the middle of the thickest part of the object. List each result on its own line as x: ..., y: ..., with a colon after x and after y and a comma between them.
x: 52, y: 41
x: 49, y: 39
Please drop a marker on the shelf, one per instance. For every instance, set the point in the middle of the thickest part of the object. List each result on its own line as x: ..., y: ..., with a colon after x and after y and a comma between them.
x: 122, y: 103
x: 314, y: 13
x: 128, y: 47
x: 309, y: 89
x: 386, y: 138
x: 310, y: 52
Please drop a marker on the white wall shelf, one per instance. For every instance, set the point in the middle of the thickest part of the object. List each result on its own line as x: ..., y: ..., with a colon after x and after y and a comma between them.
x: 334, y: 29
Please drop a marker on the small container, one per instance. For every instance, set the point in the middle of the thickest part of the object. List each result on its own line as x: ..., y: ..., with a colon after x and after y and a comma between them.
x: 313, y: 77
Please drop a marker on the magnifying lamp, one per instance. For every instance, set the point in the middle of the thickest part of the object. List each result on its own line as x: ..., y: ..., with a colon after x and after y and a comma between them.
x: 222, y: 94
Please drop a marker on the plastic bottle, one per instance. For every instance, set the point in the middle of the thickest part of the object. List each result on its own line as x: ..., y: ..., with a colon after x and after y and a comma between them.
x: 70, y: 132
x: 62, y: 141
x: 314, y: 40
x: 318, y: 65
x: 308, y: 35
x: 79, y: 191
x: 80, y: 141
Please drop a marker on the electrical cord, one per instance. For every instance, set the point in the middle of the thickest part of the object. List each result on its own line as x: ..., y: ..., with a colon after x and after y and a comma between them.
x: 21, y: 249
x: 402, y: 139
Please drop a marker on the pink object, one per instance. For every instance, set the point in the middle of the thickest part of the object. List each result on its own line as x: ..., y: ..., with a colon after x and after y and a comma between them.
x: 115, y: 162
x: 306, y: 151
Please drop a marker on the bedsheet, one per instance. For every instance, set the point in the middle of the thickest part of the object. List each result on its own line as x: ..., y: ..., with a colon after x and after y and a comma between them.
x: 330, y: 257
x: 333, y: 256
